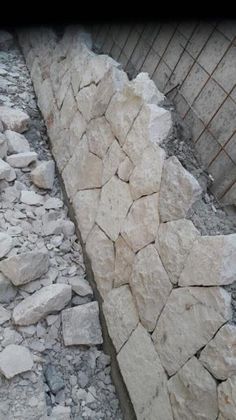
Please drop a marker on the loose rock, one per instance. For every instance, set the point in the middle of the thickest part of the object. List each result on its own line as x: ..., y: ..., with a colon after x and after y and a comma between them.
x: 6, y: 244
x: 21, y: 160
x: 14, y: 119
x: 17, y: 143
x: 43, y: 175
x: 15, y: 359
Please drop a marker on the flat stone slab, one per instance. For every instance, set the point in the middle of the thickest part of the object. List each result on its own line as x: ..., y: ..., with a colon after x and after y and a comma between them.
x: 43, y: 174
x: 6, y: 244
x: 81, y: 325
x: 21, y: 160
x: 31, y: 198
x: 14, y: 119
x: 45, y: 301
x: 15, y: 359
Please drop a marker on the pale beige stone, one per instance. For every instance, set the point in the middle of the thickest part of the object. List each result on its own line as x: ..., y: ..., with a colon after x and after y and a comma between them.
x: 77, y: 129
x: 211, y: 262
x: 145, y: 377
x: 43, y: 174
x: 45, y: 99
x: 100, y: 250
x: 219, y: 355
x: 61, y: 148
x: 124, y: 258
x: 150, y: 286
x: 14, y: 119
x: 21, y: 160
x: 174, y: 242
x: 227, y: 399
x: 193, y: 393
x: 121, y: 112
x: 151, y: 126
x: 111, y: 161
x: 85, y: 205
x: 68, y: 109
x: 125, y: 169
x: 79, y: 62
x: 100, y: 136
x: 96, y: 67
x: 85, y: 99
x: 146, y: 88
x: 121, y: 315
x: 141, y: 223
x: 146, y: 176
x: 189, y: 320
x: 113, y: 207
x: 64, y: 83
x: 17, y: 143
x: 179, y: 190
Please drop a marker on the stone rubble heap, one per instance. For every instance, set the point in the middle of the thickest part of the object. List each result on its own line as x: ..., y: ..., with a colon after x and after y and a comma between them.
x: 161, y: 282
x: 51, y: 362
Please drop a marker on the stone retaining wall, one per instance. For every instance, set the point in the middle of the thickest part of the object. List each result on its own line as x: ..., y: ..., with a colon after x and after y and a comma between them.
x: 160, y: 281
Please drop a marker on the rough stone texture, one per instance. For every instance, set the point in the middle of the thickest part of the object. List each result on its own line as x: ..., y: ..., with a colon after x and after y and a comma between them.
x: 125, y: 169
x: 191, y: 317
x: 85, y: 99
x: 16, y: 142
x: 227, y: 399
x: 43, y: 174
x: 85, y: 205
x: 6, y: 244
x: 80, y: 286
x: 7, y: 291
x: 45, y: 301
x: 124, y: 258
x: 211, y: 262
x: 4, y: 315
x: 21, y: 160
x: 111, y: 161
x: 31, y: 198
x: 14, y: 119
x: 113, y: 207
x: 100, y: 136
x: 15, y: 359
x: 5, y: 170
x: 150, y: 286
x: 100, y: 250
x: 80, y: 325
x: 219, y: 355
x: 193, y: 393
x: 141, y: 223
x: 146, y: 176
x: 145, y: 377
x: 76, y: 131
x: 25, y: 267
x: 146, y: 88
x: 179, y: 190
x: 121, y: 315
x: 3, y: 145
x: 174, y: 242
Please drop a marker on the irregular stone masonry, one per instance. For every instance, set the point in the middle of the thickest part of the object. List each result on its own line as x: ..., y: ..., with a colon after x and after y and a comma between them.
x: 150, y: 264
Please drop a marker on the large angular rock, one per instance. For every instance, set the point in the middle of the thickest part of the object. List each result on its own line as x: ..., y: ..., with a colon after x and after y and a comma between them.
x: 150, y: 286
x: 45, y: 301
x: 4, y: 315
x: 125, y: 169
x: 80, y: 286
x: 68, y: 109
x: 17, y: 143
x: 5, y: 170
x: 193, y: 393
x: 100, y: 136
x: 14, y: 119
x: 124, y: 258
x: 85, y: 205
x: 43, y: 174
x: 6, y: 244
x: 80, y: 325
x: 21, y: 160
x: 121, y: 315
x: 100, y: 250
x: 114, y: 204
x: 7, y: 291
x: 141, y: 223
x: 151, y: 126
x: 111, y: 161
x: 227, y: 399
x: 85, y: 99
x: 179, y: 190
x: 145, y: 377
x: 15, y: 359
x: 76, y: 131
x: 146, y: 88
x: 174, y: 242
x: 219, y: 355
x: 191, y: 317
x: 97, y: 66
x: 211, y: 262
x: 3, y: 145
x: 121, y: 112
x: 31, y: 198
x: 25, y: 267
x: 146, y: 176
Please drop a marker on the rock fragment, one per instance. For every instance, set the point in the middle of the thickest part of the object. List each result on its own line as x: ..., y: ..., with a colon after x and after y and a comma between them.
x: 17, y: 143
x: 6, y: 244
x: 14, y: 119
x: 21, y: 160
x: 43, y: 174
x: 15, y: 359
x: 4, y: 315
x: 227, y: 399
x: 31, y: 198
x: 5, y: 169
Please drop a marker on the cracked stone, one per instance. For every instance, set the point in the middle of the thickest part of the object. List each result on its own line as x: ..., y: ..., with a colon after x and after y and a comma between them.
x: 15, y: 359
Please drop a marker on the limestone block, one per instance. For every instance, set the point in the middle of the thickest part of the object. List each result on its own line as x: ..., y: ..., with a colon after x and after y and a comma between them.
x: 227, y: 399
x: 141, y: 223
x: 15, y: 359
x: 111, y: 161
x: 61, y: 149
x: 80, y: 286
x: 79, y: 62
x: 43, y: 174
x: 5, y: 315
x: 17, y: 143
x: 45, y: 99
x: 60, y: 92
x: 146, y: 88
x: 3, y: 143
x: 31, y: 198
x: 179, y: 190
x: 76, y: 131
x: 145, y: 377
x: 85, y: 205
x: 150, y: 286
x: 125, y: 169
x: 219, y: 355
x: 174, y: 242
x: 113, y: 207
x: 85, y: 99
x: 7, y: 291
x: 6, y: 244
x: 68, y: 109
x: 211, y: 262
x: 193, y: 393
x: 47, y: 300
x: 146, y: 176
x: 121, y: 315
x: 124, y: 258
x: 121, y: 112
x: 151, y: 126
x: 97, y: 66
x: 191, y: 317
x: 5, y: 169
x: 36, y: 75
x: 100, y: 136
x: 14, y: 119
x: 100, y: 250
x: 21, y: 160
